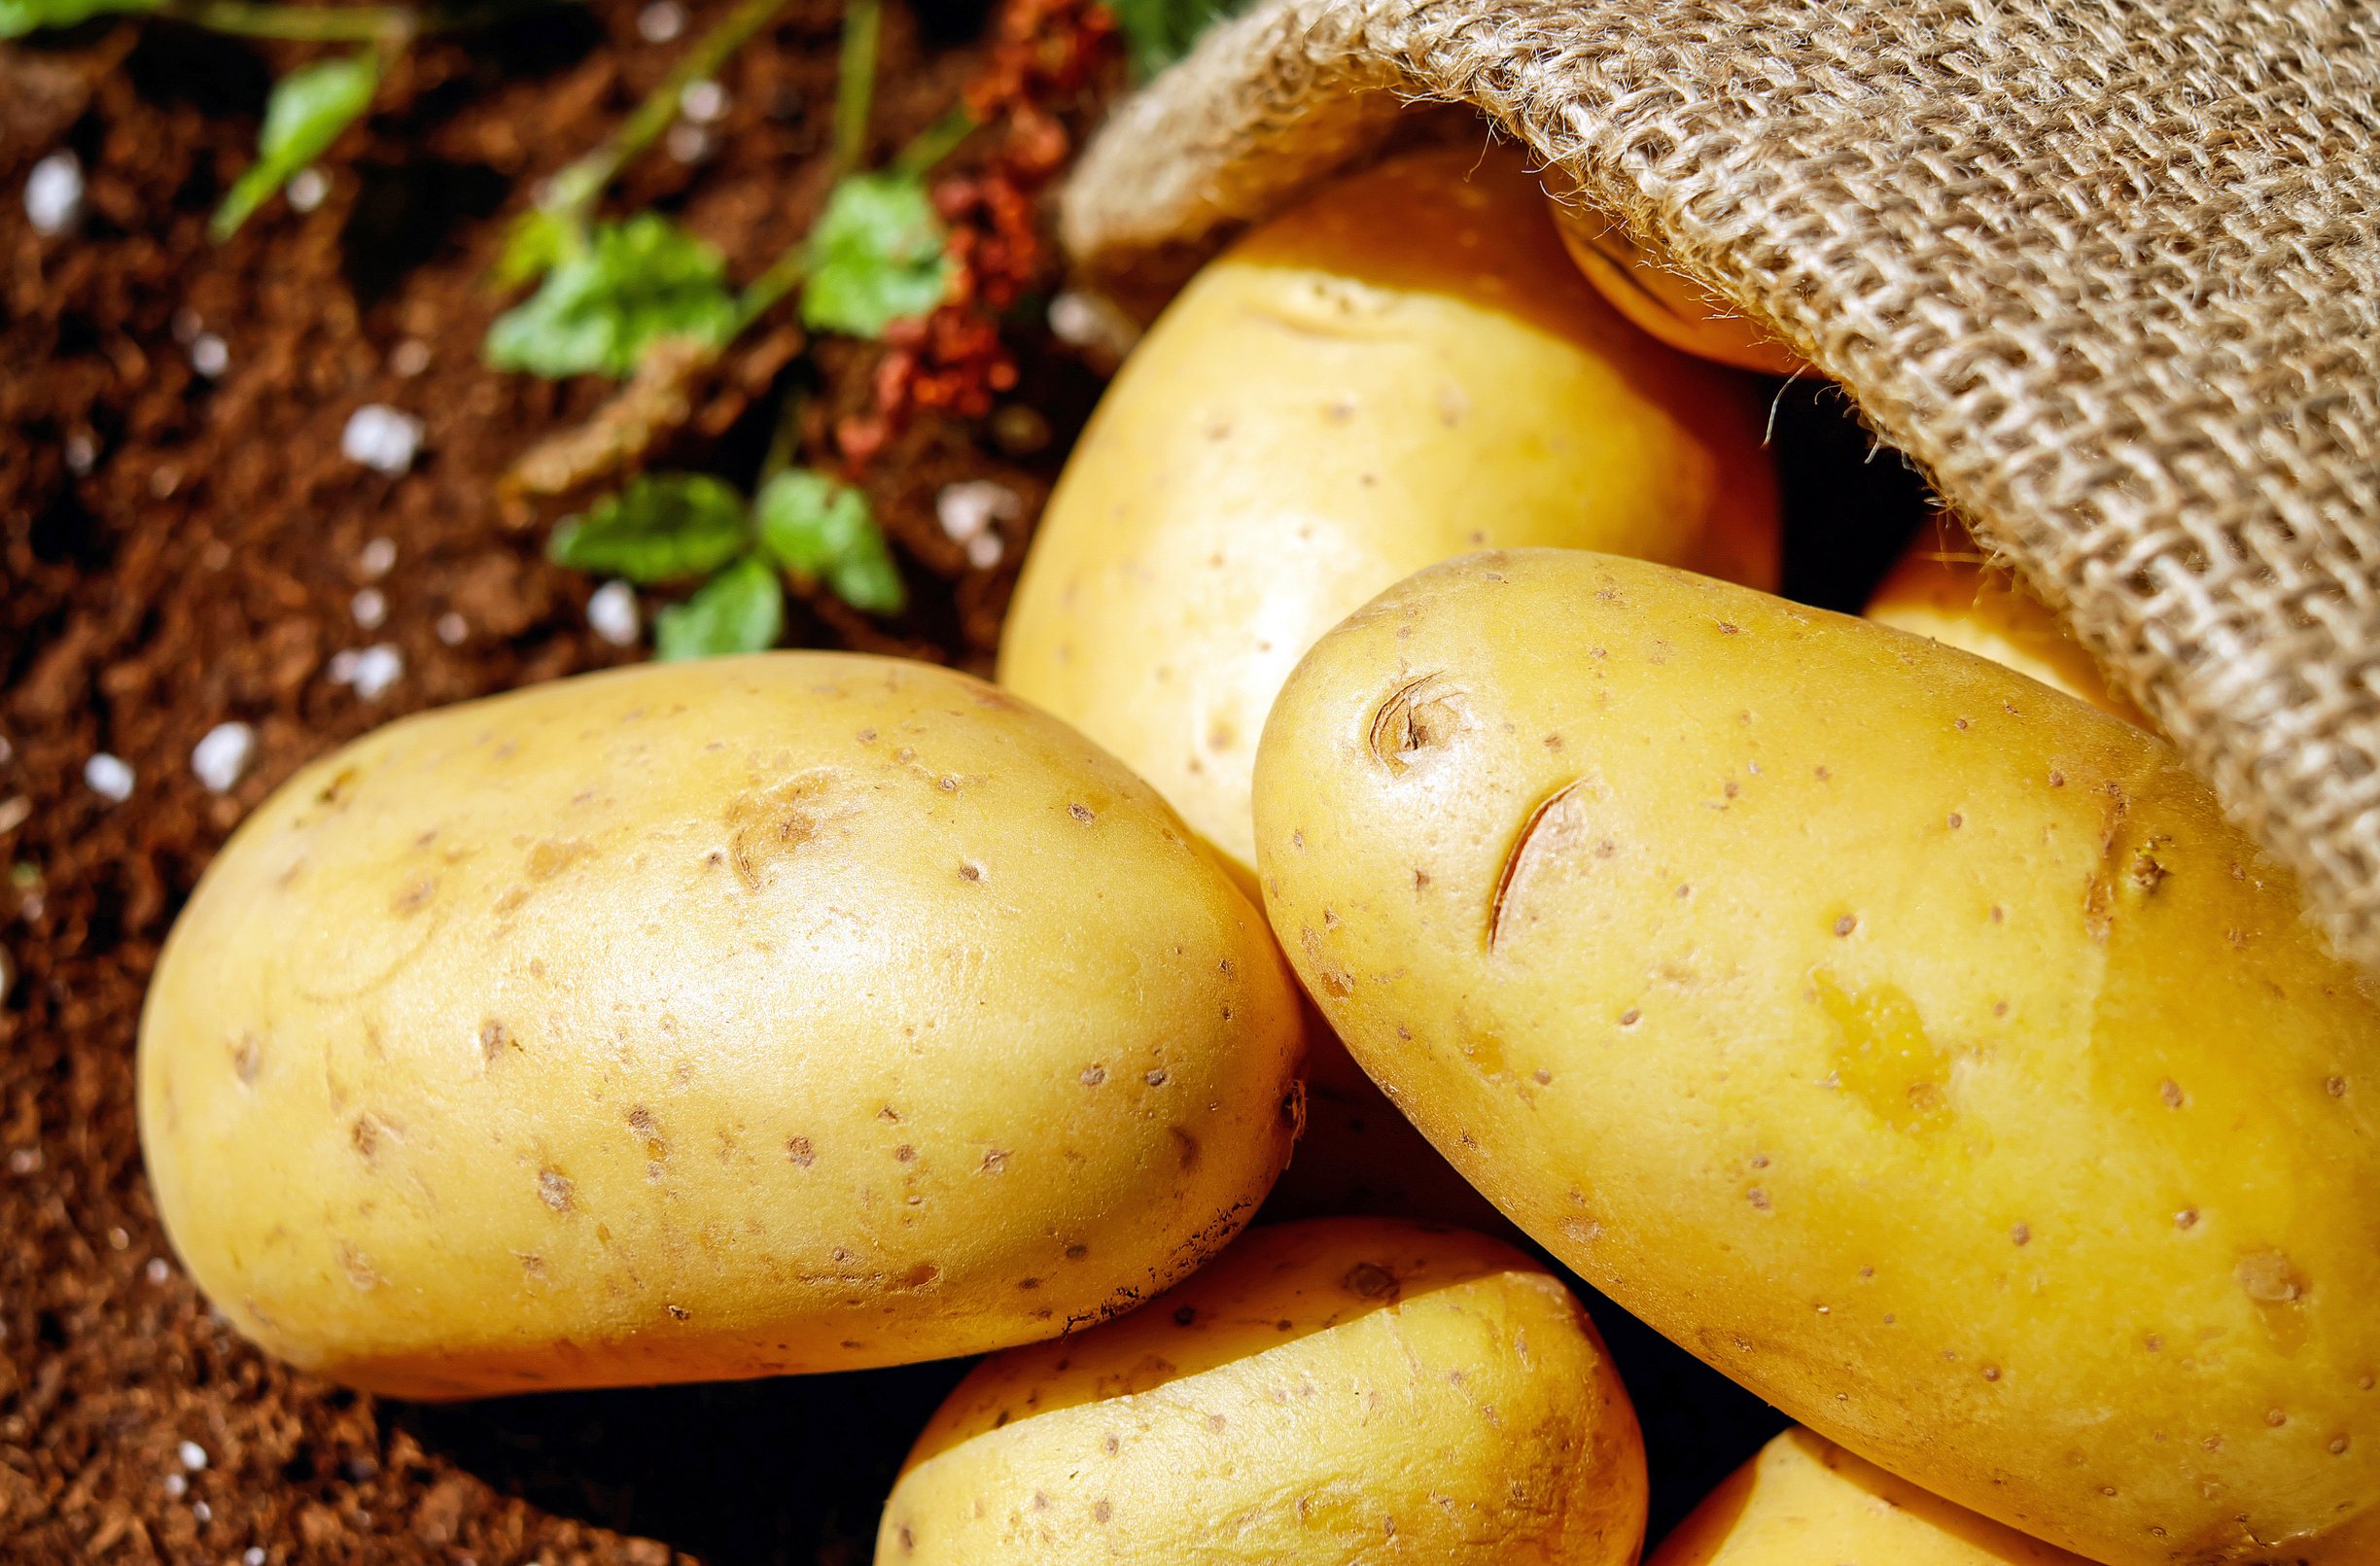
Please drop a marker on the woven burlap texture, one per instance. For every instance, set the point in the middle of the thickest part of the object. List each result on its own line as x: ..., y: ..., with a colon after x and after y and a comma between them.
x: 2109, y: 272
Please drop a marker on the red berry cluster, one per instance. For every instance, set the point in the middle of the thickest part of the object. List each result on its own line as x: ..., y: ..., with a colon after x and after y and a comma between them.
x: 1045, y: 58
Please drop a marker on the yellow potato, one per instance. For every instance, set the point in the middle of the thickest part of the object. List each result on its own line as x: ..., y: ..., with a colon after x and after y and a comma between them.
x: 1806, y: 1502
x: 1403, y: 368
x: 1916, y: 1044
x: 1667, y: 304
x: 1942, y: 588
x: 783, y: 1013
x: 1340, y: 1391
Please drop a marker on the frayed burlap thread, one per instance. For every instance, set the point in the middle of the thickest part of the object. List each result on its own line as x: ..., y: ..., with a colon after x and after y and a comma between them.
x: 2108, y: 270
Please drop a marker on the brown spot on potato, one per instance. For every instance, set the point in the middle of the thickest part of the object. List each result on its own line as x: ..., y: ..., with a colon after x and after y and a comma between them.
x: 799, y: 1151
x: 765, y: 827
x: 1758, y: 1198
x: 1093, y: 1075
x: 1846, y: 924
x: 1181, y: 1318
x: 492, y: 1039
x: 1332, y: 979
x: 904, y: 1154
x: 414, y: 895
x: 1077, y: 1252
x: 2268, y: 1279
x: 550, y: 857
x: 2021, y: 1235
x: 995, y: 1160
x: 247, y: 1058
x: 1369, y: 1280
x: 1185, y: 1148
x: 2335, y: 1087
x: 971, y: 872
x: 357, y: 1267
x: 679, y: 1312
x: 1102, y: 1512
x: 920, y: 1276
x: 364, y: 1136
x: 555, y: 1189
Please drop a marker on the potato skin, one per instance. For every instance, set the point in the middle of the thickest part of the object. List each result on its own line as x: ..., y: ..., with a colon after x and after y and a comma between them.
x: 1915, y: 1044
x: 1344, y: 1389
x: 1806, y: 1502
x: 786, y: 1013
x: 1942, y: 588
x: 1667, y: 304
x: 1402, y: 368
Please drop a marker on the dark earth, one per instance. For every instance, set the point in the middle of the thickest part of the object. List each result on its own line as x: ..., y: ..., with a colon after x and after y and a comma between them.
x: 180, y: 550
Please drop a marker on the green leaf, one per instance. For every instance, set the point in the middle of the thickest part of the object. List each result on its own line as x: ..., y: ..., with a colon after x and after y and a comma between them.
x: 877, y: 255
x: 1159, y: 32
x: 308, y: 109
x: 633, y: 284
x: 823, y: 530
x: 741, y: 609
x: 662, y: 527
x: 18, y: 18
x: 538, y: 241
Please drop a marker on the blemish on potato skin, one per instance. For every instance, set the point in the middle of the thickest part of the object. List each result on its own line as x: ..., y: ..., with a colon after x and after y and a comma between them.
x: 414, y: 895
x: 247, y: 1059
x: 556, y: 1189
x: 492, y: 1041
x: 799, y: 1153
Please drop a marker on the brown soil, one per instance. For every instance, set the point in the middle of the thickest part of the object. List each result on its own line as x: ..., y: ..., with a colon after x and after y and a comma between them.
x: 179, y: 552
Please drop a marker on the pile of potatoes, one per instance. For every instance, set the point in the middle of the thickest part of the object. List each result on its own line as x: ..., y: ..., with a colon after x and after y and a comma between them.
x: 1395, y: 743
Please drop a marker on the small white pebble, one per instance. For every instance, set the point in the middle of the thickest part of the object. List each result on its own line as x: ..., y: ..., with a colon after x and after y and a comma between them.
x: 612, y: 613
x: 1090, y: 321
x: 108, y: 777
x: 158, y: 1271
x: 688, y: 143
x: 220, y: 759
x: 306, y: 189
x: 703, y: 102
x: 176, y: 1486
x: 410, y: 358
x: 376, y: 558
x: 370, y: 609
x: 381, y: 439
x: 376, y: 668
x: 25, y: 1160
x: 14, y: 813
x: 82, y: 453
x: 202, y: 1511
x: 193, y: 1457
x: 453, y: 629
x: 54, y: 193
x: 967, y: 509
x: 984, y: 550
x: 210, y: 356
x: 253, y: 1556
x: 343, y: 666
x: 661, y: 22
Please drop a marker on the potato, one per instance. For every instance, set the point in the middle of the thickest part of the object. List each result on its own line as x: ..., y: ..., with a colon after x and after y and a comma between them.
x: 1943, y: 588
x: 1667, y: 304
x: 1340, y: 1391
x: 1914, y: 1043
x: 783, y: 1013
x: 1402, y: 368
x: 1806, y: 1502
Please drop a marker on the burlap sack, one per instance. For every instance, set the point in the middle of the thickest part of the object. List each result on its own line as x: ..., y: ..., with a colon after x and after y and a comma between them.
x: 2108, y: 270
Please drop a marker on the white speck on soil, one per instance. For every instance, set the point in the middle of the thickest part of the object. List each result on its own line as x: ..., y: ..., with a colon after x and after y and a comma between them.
x: 370, y: 609
x: 1090, y: 321
x: 14, y: 813
x: 372, y: 671
x: 220, y: 759
x: 967, y: 509
x: 688, y: 143
x: 306, y: 190
x: 176, y: 1486
x: 410, y: 358
x: 193, y: 1457
x: 158, y: 1271
x: 611, y: 614
x: 703, y: 102
x: 82, y: 453
x: 661, y: 22
x: 453, y: 629
x: 381, y: 438
x: 210, y: 355
x: 377, y: 559
x: 53, y: 194
x: 109, y: 776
